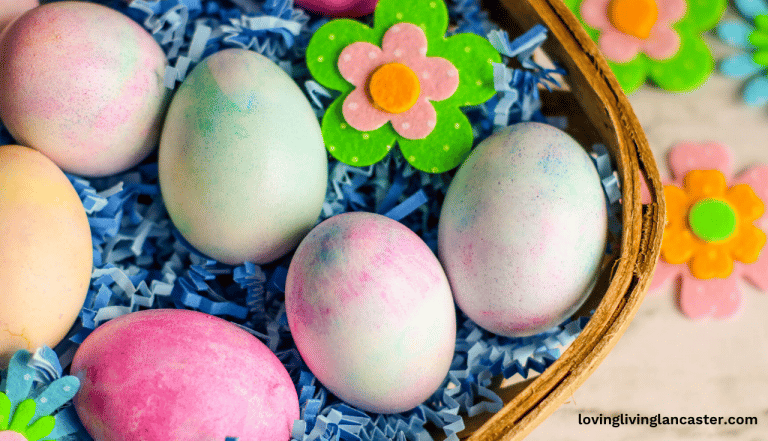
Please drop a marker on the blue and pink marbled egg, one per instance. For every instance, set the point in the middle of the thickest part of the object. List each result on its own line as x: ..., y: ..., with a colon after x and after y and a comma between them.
x: 371, y: 312
x: 523, y: 230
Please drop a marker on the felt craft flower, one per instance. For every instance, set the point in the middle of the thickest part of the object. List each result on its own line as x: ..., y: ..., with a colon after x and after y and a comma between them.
x: 401, y: 81
x: 660, y: 39
x: 711, y: 238
x: 751, y: 36
x: 23, y: 418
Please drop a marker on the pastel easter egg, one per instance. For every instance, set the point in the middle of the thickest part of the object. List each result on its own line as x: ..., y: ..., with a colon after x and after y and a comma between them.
x: 83, y: 84
x: 243, y: 169
x: 10, y: 9
x: 171, y: 374
x: 339, y: 8
x: 46, y: 253
x: 523, y: 230
x: 371, y: 312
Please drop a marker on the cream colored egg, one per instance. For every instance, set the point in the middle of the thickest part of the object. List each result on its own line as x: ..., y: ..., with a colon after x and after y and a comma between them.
x: 46, y: 253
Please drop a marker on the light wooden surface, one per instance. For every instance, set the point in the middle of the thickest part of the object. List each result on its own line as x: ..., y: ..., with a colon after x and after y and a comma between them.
x: 666, y: 363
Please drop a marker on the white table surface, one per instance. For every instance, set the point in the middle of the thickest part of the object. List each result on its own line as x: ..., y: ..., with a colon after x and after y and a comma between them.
x: 666, y: 363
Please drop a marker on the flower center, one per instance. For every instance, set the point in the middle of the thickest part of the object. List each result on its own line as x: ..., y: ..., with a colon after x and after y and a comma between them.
x: 712, y: 220
x: 394, y: 88
x: 633, y: 17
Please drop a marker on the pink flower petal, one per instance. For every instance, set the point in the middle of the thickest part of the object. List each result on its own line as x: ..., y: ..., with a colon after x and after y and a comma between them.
x: 595, y: 13
x: 617, y: 46
x: 438, y: 77
x: 687, y: 156
x: 404, y: 41
x: 360, y: 113
x: 718, y: 298
x: 416, y: 122
x: 358, y: 60
x: 662, y: 44
x: 671, y: 11
x: 757, y: 273
x: 664, y: 271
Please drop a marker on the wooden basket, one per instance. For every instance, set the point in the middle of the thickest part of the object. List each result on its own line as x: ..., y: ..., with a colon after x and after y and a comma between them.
x: 598, y: 111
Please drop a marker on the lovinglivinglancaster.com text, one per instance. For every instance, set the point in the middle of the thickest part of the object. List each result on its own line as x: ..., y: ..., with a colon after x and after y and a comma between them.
x: 662, y: 420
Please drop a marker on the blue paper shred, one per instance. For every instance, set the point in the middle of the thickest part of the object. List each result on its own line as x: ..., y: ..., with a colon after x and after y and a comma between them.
x: 141, y: 261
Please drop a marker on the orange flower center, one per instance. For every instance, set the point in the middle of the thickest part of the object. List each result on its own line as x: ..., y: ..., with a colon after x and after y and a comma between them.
x: 394, y: 88
x: 633, y: 17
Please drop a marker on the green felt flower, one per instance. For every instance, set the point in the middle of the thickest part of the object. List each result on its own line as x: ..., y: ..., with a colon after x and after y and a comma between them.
x: 401, y: 81
x: 31, y: 417
x: 656, y: 39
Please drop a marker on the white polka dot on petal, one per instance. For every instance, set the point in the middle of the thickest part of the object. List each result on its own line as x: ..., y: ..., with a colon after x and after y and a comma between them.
x: 395, y: 28
x: 372, y: 55
x: 43, y: 400
x: 425, y: 75
x: 423, y: 50
x: 451, y: 73
x: 398, y: 53
x: 431, y: 123
x: 353, y: 106
x: 347, y: 57
x: 406, y: 126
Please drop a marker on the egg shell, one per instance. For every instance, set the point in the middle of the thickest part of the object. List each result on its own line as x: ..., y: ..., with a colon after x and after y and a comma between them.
x: 10, y: 9
x: 243, y: 169
x: 83, y: 84
x: 46, y: 253
x: 339, y: 8
x: 371, y: 312
x: 170, y: 374
x: 523, y: 230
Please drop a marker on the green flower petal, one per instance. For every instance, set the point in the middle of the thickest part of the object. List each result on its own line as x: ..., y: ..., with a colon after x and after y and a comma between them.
x: 326, y: 46
x: 430, y: 15
x: 473, y: 56
x: 631, y: 75
x: 446, y: 147
x: 352, y: 146
x: 40, y: 428
x: 5, y: 411
x: 688, y: 69
x: 703, y: 15
x: 22, y: 416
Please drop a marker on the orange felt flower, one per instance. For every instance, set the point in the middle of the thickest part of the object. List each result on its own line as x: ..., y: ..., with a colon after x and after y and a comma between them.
x: 709, y: 225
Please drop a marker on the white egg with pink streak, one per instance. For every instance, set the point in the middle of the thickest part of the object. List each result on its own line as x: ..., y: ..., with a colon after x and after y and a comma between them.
x: 371, y: 312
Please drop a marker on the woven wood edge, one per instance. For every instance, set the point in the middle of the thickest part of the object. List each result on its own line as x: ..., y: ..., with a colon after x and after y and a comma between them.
x: 604, y: 103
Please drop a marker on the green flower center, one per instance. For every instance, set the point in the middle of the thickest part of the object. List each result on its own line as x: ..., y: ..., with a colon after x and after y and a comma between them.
x: 712, y: 220
x: 759, y: 38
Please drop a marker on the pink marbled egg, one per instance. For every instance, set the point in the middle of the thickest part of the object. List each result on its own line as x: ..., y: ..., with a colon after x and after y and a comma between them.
x: 339, y: 8
x: 169, y: 374
x: 10, y: 9
x: 371, y: 312
x: 523, y: 230
x: 83, y: 84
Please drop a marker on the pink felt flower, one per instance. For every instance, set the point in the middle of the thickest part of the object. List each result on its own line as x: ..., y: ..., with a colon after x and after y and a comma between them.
x: 406, y: 44
x: 662, y: 43
x: 714, y: 297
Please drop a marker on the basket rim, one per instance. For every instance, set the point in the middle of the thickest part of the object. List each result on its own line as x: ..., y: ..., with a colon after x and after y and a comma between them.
x: 593, y: 83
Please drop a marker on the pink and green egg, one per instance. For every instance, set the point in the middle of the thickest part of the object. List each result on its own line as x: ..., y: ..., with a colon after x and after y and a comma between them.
x: 371, y: 312
x: 83, y: 84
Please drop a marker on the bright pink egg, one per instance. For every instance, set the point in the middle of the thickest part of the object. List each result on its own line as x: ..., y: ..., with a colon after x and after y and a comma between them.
x: 338, y: 8
x: 169, y: 374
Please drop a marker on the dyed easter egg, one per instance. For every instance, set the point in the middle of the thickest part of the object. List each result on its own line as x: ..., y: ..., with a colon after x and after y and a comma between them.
x: 371, y: 312
x: 243, y: 169
x: 46, y: 253
x: 338, y: 8
x: 523, y: 230
x: 10, y: 9
x: 171, y: 374
x: 83, y: 84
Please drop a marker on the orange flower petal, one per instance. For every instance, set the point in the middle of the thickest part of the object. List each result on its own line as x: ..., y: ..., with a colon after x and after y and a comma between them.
x: 678, y: 245
x: 748, y: 205
x: 701, y: 184
x: 677, y: 205
x: 747, y: 245
x: 711, y: 261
